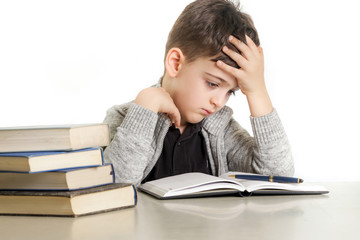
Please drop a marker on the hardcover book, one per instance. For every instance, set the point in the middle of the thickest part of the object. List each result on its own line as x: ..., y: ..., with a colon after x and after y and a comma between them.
x: 70, y: 179
x: 199, y: 184
x: 68, y: 203
x: 55, y: 137
x: 50, y: 161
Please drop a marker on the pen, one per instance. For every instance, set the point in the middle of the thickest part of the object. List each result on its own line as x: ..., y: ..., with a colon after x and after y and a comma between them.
x: 278, y: 179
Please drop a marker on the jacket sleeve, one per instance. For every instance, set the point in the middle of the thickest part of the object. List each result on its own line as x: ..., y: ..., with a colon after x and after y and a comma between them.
x: 131, y: 135
x: 268, y: 152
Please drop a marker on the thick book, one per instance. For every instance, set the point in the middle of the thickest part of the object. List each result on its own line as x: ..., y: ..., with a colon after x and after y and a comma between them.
x: 69, y: 179
x: 68, y: 203
x: 54, y: 137
x: 199, y: 185
x: 50, y: 161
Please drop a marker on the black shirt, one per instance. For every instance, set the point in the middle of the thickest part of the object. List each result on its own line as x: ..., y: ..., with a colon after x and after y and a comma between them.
x: 181, y: 153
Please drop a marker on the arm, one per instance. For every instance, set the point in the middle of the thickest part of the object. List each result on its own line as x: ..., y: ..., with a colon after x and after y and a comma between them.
x: 135, y: 129
x: 250, y: 76
x: 269, y: 151
x: 131, y: 133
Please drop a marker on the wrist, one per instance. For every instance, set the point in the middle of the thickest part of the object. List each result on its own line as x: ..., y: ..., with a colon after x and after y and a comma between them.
x: 147, y: 105
x: 259, y: 103
x: 146, y: 100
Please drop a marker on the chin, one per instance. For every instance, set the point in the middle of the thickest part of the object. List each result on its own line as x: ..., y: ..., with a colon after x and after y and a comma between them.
x: 194, y: 120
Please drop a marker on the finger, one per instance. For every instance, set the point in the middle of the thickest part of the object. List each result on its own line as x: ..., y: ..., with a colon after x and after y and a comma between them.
x: 229, y: 69
x: 176, y: 119
x: 241, y: 46
x: 240, y: 60
x: 251, y: 44
x: 261, y: 51
x: 174, y: 116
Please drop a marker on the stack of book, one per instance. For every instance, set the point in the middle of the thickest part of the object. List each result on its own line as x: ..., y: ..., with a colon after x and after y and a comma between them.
x: 58, y: 170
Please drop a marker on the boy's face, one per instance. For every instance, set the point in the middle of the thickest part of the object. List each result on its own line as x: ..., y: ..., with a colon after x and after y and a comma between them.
x: 201, y: 89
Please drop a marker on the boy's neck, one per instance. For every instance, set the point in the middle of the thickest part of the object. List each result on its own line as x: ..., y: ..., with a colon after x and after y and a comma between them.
x: 165, y: 82
x: 182, y: 128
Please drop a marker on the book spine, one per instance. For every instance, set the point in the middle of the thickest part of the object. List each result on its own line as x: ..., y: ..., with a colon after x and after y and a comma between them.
x: 135, y: 195
x: 102, y: 155
x: 112, y: 171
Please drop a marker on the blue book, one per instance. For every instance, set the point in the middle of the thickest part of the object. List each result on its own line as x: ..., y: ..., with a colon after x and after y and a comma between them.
x: 63, y: 180
x: 31, y: 162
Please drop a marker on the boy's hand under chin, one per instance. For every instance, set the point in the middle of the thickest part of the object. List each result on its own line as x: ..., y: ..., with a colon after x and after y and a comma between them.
x: 159, y: 100
x: 250, y: 76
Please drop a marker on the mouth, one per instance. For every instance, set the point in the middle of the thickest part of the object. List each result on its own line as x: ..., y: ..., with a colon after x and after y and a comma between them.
x: 206, y: 112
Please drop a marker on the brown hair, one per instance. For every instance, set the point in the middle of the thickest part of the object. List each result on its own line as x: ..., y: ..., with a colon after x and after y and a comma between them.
x: 204, y: 26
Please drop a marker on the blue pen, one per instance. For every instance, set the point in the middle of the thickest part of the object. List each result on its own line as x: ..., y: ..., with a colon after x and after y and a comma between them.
x: 278, y: 179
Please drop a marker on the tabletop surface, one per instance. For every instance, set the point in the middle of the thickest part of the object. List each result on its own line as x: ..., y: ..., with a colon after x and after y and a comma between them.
x: 332, y: 216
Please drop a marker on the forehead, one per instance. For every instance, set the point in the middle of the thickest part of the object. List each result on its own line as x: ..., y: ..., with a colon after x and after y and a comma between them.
x: 207, y: 66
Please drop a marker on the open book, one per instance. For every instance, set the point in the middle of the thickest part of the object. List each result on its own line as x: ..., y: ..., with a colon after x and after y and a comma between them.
x: 199, y: 184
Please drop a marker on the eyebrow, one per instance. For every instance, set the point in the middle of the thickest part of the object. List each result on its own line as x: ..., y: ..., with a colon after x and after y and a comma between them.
x: 222, y: 80
x: 212, y: 75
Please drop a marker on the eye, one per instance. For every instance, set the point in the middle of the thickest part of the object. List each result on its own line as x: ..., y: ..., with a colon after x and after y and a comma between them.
x: 211, y: 84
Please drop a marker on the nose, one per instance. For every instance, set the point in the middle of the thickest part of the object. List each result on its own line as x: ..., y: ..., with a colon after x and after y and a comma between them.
x: 218, y: 101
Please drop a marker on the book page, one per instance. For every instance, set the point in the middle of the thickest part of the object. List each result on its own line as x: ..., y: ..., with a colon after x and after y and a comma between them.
x: 189, y: 183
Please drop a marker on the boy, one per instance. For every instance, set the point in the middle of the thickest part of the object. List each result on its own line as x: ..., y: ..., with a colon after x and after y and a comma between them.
x: 182, y: 124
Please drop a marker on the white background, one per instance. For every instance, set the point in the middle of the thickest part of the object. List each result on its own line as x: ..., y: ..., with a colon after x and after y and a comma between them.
x: 69, y: 61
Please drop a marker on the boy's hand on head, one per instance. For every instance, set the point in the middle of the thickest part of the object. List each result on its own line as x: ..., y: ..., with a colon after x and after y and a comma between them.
x: 159, y: 100
x: 250, y: 76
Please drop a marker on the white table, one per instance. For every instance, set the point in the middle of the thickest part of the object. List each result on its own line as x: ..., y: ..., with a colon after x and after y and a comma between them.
x: 332, y: 216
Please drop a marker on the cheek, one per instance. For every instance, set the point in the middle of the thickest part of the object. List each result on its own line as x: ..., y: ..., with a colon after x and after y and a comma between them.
x: 196, y: 93
x: 190, y: 97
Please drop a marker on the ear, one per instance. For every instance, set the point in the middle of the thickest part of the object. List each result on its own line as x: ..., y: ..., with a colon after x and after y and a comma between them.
x: 174, y: 61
